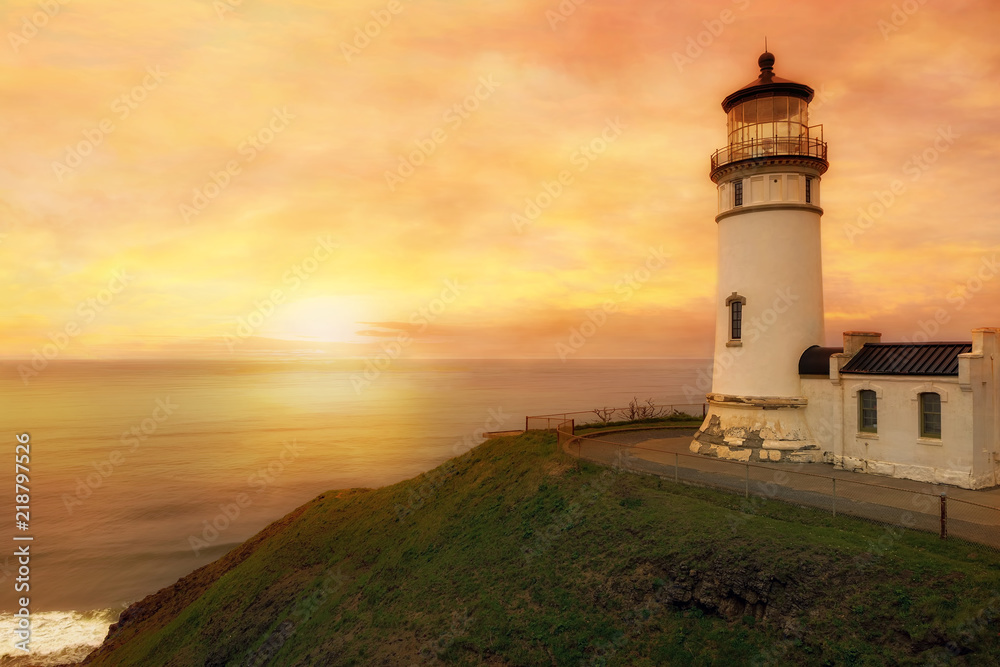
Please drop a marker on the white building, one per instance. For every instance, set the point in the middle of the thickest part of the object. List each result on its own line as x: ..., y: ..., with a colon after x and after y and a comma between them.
x: 926, y: 411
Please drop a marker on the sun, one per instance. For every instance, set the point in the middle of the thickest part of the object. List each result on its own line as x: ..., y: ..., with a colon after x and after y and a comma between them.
x: 329, y: 319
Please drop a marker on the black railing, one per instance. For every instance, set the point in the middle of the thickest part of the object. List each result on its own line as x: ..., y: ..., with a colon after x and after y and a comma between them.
x: 777, y: 146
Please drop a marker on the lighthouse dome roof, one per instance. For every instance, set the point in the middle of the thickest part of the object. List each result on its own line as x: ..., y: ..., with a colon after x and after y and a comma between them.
x: 767, y: 82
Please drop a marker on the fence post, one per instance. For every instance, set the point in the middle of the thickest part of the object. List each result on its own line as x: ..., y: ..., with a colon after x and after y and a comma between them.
x: 704, y: 410
x: 944, y: 516
x: 834, y: 495
x: 525, y: 423
x: 677, y: 458
x: 746, y: 492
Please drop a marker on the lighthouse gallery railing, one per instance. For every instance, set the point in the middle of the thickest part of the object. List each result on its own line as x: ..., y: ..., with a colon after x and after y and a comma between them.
x: 811, y: 146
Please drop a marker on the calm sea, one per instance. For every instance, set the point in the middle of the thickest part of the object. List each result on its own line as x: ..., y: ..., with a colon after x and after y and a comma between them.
x: 131, y: 461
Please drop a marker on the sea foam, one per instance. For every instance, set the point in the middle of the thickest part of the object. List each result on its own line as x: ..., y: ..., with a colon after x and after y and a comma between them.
x: 57, y: 637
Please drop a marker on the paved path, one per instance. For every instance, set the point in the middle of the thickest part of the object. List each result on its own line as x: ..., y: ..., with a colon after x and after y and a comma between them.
x: 884, y: 499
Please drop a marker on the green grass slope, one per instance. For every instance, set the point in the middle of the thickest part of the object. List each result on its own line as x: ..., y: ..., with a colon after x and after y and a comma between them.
x: 514, y: 554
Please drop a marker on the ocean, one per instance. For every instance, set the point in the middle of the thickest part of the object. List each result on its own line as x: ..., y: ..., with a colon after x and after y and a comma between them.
x: 142, y: 471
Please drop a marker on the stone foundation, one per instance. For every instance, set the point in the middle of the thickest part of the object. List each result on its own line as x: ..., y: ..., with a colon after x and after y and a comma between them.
x: 742, y: 428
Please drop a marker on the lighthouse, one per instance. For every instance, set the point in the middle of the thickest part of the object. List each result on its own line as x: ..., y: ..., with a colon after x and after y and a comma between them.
x: 769, y: 305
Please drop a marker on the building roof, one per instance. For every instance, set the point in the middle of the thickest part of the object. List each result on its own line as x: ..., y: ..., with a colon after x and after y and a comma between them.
x: 816, y: 360
x: 767, y: 82
x: 907, y: 359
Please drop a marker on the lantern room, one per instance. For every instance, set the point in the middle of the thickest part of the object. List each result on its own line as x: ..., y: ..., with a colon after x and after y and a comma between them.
x: 770, y: 117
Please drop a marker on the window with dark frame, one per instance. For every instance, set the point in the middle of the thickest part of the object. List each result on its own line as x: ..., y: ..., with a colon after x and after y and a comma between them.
x: 867, y: 411
x: 809, y: 183
x: 930, y: 415
x: 736, y: 330
x: 738, y: 193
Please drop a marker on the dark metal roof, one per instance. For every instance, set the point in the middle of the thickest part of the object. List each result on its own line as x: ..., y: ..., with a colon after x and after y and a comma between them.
x: 907, y: 358
x: 768, y: 83
x: 816, y: 360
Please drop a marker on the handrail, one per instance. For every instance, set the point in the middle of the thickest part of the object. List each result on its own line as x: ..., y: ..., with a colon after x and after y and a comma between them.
x: 773, y: 147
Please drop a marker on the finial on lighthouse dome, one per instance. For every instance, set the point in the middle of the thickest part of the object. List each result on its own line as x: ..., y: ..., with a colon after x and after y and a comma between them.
x: 766, y: 61
x: 767, y: 82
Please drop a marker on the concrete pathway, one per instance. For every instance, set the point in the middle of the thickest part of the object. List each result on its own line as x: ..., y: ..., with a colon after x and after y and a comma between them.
x: 900, y: 502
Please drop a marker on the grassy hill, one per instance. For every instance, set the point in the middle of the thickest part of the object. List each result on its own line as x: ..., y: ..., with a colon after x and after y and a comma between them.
x: 515, y: 554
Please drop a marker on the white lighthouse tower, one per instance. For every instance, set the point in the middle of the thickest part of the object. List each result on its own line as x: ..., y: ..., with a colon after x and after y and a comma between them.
x: 770, y: 290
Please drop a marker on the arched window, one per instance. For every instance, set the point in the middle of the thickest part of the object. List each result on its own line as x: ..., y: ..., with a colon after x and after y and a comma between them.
x: 867, y: 411
x: 930, y: 415
x: 735, y: 302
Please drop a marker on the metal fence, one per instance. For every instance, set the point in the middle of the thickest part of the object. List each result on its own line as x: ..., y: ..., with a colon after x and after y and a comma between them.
x: 812, y: 146
x: 603, y: 416
x: 896, y: 508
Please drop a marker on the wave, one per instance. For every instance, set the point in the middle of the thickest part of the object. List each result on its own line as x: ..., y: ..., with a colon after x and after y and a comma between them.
x: 57, y: 637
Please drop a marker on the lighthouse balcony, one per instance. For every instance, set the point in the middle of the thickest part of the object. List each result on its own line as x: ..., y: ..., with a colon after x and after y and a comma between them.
x: 756, y: 149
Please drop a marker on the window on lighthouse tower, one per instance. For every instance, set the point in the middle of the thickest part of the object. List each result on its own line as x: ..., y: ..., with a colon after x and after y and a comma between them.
x: 735, y: 304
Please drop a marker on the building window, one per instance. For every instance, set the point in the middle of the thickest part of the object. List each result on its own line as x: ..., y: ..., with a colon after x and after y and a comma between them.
x: 738, y: 192
x: 930, y: 415
x: 809, y: 197
x: 867, y: 411
x: 736, y: 309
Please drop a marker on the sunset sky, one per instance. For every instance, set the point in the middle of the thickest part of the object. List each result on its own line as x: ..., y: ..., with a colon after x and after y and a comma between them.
x: 258, y: 178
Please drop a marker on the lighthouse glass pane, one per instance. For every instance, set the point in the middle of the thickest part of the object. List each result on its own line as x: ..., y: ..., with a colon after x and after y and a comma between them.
x: 780, y: 108
x: 749, y: 112
x: 867, y: 411
x: 765, y: 110
x: 795, y: 110
x: 930, y: 415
